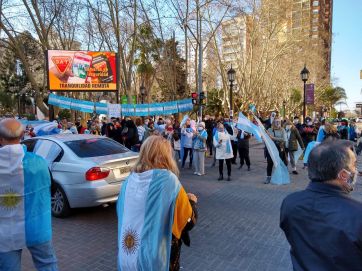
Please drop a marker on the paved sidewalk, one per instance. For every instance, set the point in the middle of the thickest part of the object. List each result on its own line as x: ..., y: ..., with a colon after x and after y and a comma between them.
x: 238, y: 227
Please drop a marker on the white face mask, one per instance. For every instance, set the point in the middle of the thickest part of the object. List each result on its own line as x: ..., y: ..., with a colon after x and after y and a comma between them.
x: 296, y: 121
x: 352, y: 180
x: 200, y: 129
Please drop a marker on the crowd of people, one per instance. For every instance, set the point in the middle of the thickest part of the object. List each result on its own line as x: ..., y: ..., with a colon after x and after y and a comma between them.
x: 163, y: 143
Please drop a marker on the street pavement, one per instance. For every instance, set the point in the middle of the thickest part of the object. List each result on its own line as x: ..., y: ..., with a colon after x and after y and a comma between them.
x: 238, y: 226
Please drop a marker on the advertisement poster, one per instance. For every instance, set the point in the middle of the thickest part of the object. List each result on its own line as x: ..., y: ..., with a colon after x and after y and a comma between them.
x: 81, y: 71
x: 309, y: 89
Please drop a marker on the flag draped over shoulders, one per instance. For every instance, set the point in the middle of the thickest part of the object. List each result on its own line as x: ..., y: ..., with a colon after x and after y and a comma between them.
x: 25, y: 211
x: 147, y: 218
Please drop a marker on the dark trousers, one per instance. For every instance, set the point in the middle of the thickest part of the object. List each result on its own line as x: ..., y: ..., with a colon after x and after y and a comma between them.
x: 234, y: 144
x: 221, y: 166
x: 244, y: 156
x: 270, y: 165
x: 210, y: 146
x: 187, y: 151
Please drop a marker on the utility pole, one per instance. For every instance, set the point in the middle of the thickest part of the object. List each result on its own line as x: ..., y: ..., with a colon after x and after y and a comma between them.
x: 200, y: 56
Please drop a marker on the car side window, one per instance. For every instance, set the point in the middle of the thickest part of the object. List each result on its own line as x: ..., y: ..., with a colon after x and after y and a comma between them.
x: 49, y: 150
x: 30, y: 144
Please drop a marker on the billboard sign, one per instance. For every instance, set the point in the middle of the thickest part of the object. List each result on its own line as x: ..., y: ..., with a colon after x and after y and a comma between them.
x: 309, y: 91
x: 81, y: 71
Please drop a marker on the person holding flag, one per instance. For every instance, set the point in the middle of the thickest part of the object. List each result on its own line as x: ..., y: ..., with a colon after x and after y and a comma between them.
x: 25, y: 211
x: 154, y: 211
x: 224, y: 151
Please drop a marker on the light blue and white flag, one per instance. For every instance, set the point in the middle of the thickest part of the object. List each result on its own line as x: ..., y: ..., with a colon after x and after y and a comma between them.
x: 156, y: 109
x: 280, y: 173
x: 102, y: 108
x: 247, y: 126
x: 170, y: 108
x: 128, y: 110
x: 82, y: 106
x: 145, y: 209
x: 297, y: 154
x: 185, y: 105
x: 25, y: 212
x: 142, y: 110
x: 309, y: 148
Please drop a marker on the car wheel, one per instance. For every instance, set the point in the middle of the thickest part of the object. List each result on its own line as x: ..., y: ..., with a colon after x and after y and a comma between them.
x: 59, y: 202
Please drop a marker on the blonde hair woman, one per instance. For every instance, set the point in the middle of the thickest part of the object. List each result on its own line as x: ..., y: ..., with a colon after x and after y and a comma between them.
x: 154, y: 211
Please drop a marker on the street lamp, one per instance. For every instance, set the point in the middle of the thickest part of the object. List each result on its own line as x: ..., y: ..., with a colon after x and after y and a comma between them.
x: 304, y: 74
x: 231, y: 77
x: 143, y: 92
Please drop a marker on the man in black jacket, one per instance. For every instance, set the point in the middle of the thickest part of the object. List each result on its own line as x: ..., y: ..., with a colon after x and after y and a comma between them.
x: 323, y: 224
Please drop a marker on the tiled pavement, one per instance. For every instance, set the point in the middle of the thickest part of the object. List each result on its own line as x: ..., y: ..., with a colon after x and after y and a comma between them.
x: 238, y: 227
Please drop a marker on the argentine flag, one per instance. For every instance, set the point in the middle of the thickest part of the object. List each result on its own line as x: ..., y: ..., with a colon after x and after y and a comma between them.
x: 151, y: 207
x: 25, y: 212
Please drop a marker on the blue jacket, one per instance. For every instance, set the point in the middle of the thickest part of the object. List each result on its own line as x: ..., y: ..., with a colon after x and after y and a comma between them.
x: 323, y: 225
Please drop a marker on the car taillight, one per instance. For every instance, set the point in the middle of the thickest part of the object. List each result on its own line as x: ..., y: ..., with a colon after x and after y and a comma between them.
x: 96, y: 173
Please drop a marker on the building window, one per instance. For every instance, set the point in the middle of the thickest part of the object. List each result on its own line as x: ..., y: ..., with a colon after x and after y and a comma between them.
x: 315, y: 3
x: 315, y: 36
x: 315, y: 11
x: 315, y: 28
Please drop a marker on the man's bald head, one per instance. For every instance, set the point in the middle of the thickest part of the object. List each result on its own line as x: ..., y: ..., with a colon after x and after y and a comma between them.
x: 11, y: 132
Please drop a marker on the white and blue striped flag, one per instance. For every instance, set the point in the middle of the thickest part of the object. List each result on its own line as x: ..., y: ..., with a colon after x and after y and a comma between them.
x: 147, y: 218
x: 25, y: 212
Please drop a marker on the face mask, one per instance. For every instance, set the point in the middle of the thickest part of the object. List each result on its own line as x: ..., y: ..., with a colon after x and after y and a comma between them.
x: 288, y: 127
x: 352, y: 180
x: 200, y: 129
x: 146, y: 122
x: 296, y: 121
x: 221, y: 130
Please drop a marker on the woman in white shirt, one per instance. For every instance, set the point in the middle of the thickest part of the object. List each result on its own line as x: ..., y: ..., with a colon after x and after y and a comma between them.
x: 224, y: 151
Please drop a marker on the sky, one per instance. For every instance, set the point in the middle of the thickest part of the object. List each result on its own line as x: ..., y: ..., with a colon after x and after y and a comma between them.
x: 347, y: 48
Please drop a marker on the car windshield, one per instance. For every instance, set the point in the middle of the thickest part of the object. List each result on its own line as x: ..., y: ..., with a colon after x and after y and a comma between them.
x: 95, y: 147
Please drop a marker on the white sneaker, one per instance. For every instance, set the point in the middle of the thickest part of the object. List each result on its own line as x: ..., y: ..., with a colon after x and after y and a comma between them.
x: 199, y: 174
x: 196, y: 173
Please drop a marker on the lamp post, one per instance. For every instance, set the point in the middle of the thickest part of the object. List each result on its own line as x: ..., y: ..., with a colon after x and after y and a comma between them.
x: 231, y: 77
x: 304, y: 74
x: 143, y: 92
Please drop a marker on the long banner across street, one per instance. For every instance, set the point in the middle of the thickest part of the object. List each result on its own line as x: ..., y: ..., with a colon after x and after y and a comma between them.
x: 154, y: 109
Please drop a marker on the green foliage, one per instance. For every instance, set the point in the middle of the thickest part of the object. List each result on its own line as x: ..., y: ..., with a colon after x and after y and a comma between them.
x: 214, y: 104
x: 6, y: 101
x: 64, y: 114
x: 296, y: 96
x: 331, y: 96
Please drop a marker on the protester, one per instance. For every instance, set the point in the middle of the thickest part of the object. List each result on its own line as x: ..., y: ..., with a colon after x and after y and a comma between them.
x: 155, y: 214
x: 309, y: 132
x: 222, y: 143
x: 323, y: 223
x: 343, y: 130
x: 176, y: 145
x: 330, y: 132
x: 140, y: 129
x: 291, y: 144
x: 234, y: 142
x: 209, y: 126
x: 243, y: 148
x: 200, y: 137
x: 279, y: 136
x: 131, y: 136
x: 149, y: 129
x: 187, y: 133
x: 25, y: 211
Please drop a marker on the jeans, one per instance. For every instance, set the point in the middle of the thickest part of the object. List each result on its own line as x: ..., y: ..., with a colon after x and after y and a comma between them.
x: 43, y: 258
x: 186, y: 152
x: 199, y: 161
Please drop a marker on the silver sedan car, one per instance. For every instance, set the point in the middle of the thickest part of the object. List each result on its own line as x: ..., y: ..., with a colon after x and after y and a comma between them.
x: 86, y: 170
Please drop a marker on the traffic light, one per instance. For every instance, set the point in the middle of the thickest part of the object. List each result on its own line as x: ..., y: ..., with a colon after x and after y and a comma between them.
x: 202, y: 98
x: 194, y: 98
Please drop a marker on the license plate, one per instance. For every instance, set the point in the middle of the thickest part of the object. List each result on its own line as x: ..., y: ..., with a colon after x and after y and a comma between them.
x: 124, y: 170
